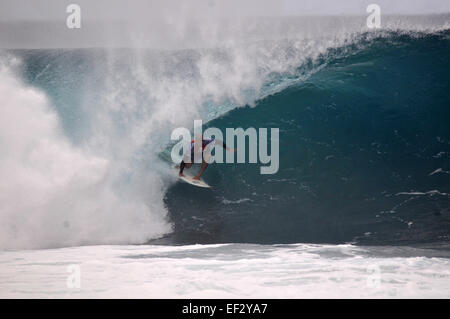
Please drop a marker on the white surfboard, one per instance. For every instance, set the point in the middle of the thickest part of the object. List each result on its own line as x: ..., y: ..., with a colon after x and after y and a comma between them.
x: 190, y: 179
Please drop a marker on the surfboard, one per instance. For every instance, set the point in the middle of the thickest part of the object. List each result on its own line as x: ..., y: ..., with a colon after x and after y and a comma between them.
x: 190, y: 179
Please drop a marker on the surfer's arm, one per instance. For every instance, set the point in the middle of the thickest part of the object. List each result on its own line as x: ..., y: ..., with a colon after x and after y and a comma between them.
x: 222, y: 143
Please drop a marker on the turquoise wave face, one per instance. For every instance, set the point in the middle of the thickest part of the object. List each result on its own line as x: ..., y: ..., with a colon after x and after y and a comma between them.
x: 364, y: 155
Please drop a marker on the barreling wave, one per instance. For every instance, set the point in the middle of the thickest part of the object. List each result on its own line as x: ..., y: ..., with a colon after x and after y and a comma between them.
x: 362, y: 121
x: 363, y: 154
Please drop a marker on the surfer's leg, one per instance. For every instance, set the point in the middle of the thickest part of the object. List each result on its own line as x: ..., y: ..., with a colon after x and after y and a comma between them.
x: 184, y: 163
x: 182, y: 166
x: 191, y: 161
x: 204, y: 166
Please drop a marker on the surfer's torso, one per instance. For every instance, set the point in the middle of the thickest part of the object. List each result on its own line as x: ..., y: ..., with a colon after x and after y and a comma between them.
x: 205, y: 142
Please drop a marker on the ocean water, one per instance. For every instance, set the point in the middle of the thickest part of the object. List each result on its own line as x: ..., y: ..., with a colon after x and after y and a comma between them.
x: 360, y: 206
x: 226, y: 271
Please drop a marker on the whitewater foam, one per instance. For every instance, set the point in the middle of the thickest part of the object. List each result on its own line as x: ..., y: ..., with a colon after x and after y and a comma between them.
x: 227, y: 271
x: 53, y: 193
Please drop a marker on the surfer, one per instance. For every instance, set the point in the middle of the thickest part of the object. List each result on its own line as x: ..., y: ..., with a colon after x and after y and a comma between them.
x: 195, y: 148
